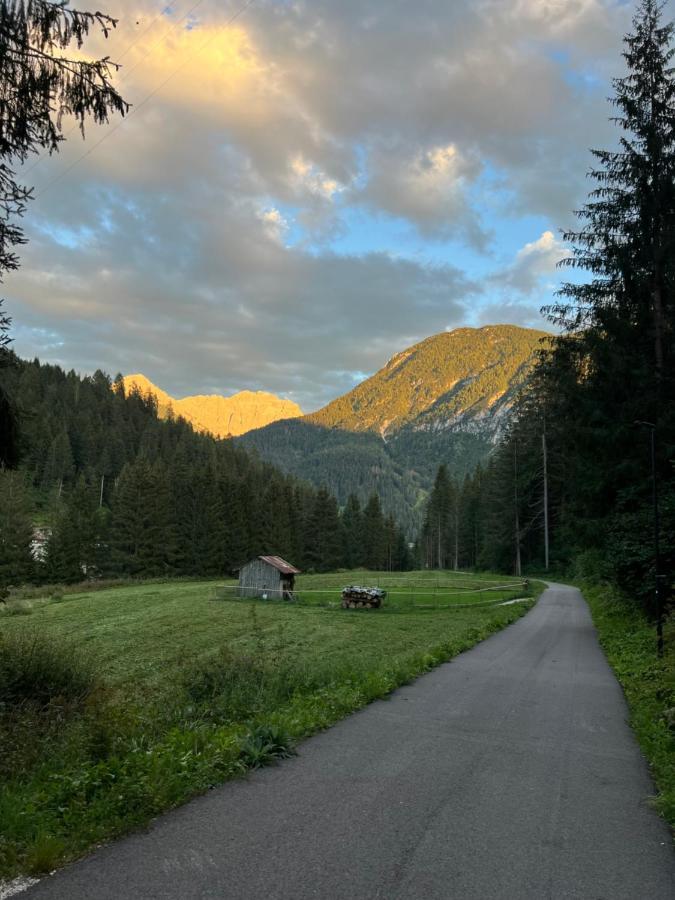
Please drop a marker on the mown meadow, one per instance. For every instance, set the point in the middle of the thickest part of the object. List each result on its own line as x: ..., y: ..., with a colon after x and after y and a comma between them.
x: 117, y: 704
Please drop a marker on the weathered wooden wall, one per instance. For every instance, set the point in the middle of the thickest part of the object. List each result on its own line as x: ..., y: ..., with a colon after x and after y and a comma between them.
x: 258, y: 577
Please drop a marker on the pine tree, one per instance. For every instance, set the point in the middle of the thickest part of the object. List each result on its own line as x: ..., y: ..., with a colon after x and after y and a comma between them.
x: 16, y: 531
x: 628, y: 241
x: 402, y: 558
x: 143, y: 526
x: 72, y: 547
x: 391, y: 533
x: 374, y: 535
x: 440, y: 529
x: 59, y: 465
x: 322, y: 537
x: 617, y: 364
x: 9, y: 415
x: 352, y: 533
x: 276, y: 515
x: 40, y: 85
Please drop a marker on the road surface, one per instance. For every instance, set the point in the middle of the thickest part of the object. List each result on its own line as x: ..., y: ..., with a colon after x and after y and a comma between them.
x: 507, y: 773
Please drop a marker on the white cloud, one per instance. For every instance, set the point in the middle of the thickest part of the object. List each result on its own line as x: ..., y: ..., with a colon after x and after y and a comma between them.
x: 533, y: 263
x: 428, y: 189
x: 310, y: 178
x: 297, y: 114
x: 275, y: 225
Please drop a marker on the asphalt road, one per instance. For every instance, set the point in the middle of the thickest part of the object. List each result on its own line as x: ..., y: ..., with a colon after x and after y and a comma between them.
x: 508, y: 773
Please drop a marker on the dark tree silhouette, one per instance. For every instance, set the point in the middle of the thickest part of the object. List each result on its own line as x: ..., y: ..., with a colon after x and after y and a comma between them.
x: 39, y: 86
x: 627, y: 242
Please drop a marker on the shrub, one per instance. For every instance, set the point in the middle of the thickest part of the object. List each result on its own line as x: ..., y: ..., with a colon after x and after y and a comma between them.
x: 38, y: 672
x: 16, y: 608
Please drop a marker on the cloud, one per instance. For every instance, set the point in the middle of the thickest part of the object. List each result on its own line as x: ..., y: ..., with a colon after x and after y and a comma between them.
x: 275, y: 225
x: 533, y: 262
x: 224, y: 304
x: 427, y: 189
x: 194, y: 242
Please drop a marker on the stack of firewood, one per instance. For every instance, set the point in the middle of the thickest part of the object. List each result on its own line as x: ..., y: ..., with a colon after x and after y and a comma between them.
x: 356, y: 597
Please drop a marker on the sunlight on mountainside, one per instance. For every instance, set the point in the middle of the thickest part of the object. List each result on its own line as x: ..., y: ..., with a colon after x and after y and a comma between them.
x: 220, y: 416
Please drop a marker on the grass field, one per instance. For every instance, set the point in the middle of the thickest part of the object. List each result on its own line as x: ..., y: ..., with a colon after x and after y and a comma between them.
x: 186, y: 690
x: 405, y: 590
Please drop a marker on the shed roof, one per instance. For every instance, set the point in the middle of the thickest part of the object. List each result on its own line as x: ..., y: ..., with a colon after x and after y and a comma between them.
x: 280, y: 565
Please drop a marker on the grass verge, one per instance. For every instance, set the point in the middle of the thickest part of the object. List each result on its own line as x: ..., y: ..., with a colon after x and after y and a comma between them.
x: 189, y: 692
x: 629, y: 642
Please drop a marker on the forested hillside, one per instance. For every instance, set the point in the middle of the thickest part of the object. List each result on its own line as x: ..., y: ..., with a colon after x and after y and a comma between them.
x: 122, y: 492
x: 464, y: 379
x: 443, y: 401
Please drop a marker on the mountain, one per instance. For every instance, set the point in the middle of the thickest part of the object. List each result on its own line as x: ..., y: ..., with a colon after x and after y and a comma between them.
x: 220, y: 416
x: 461, y: 380
x: 446, y: 399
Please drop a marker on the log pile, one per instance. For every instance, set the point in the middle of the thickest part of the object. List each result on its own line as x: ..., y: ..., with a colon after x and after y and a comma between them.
x: 357, y: 597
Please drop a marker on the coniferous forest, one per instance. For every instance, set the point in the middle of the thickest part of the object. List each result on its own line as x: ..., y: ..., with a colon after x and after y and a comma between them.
x: 580, y: 478
x: 590, y: 450
x: 120, y: 492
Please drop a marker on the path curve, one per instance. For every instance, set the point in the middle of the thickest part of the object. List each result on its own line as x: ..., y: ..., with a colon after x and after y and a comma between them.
x: 509, y: 773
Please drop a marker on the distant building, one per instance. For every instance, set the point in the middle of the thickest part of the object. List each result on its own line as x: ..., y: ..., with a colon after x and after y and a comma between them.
x: 39, y: 542
x: 270, y: 577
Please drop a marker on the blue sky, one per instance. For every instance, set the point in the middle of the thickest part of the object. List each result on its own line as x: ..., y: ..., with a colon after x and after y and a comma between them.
x: 303, y: 192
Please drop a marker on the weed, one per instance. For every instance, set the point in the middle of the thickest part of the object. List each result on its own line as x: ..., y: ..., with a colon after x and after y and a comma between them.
x: 263, y: 745
x: 45, y: 853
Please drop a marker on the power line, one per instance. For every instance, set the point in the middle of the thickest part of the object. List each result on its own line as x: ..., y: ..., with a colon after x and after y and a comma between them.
x: 159, y: 40
x: 125, y: 73
x: 134, y: 109
x: 142, y: 34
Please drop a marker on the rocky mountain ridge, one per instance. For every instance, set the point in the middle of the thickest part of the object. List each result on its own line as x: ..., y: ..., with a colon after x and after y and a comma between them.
x: 221, y: 416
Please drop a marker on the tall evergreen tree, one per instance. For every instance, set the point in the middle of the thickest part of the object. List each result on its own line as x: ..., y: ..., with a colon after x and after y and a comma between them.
x: 16, y: 530
x: 143, y: 526
x: 352, y: 533
x: 441, y: 522
x: 374, y: 535
x: 323, y: 549
x: 72, y: 551
x: 616, y: 366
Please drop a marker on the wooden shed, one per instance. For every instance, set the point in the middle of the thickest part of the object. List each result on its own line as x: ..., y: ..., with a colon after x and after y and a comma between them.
x: 270, y: 577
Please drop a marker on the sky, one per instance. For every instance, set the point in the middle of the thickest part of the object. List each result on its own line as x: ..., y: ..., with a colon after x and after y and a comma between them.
x: 303, y: 189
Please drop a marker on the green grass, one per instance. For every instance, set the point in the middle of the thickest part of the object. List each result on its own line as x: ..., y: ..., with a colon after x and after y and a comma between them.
x: 629, y: 642
x: 191, y: 690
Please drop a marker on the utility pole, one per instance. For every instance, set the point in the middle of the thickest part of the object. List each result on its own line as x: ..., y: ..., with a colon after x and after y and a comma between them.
x: 100, y: 499
x: 545, y: 456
